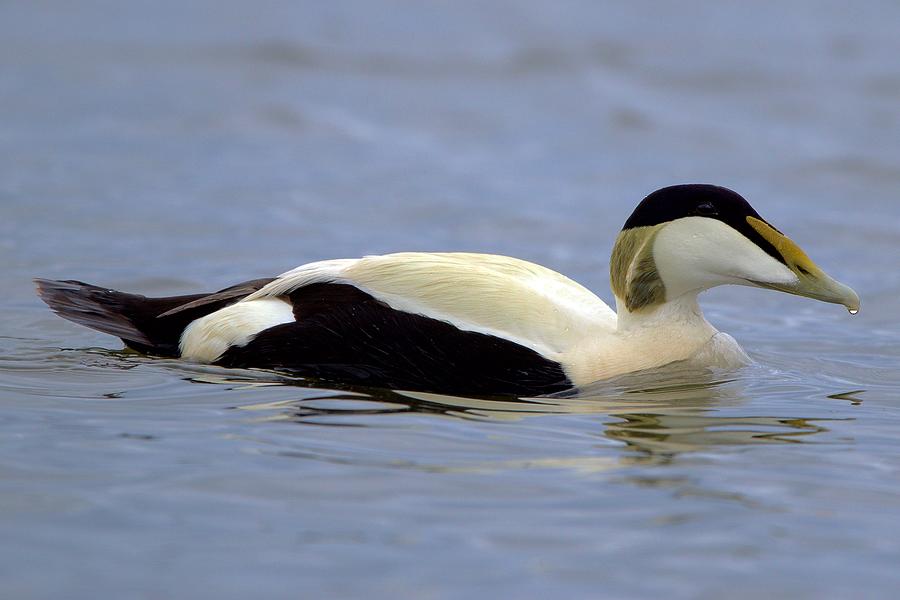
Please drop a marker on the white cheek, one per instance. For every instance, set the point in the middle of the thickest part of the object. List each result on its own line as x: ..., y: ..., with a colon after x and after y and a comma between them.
x: 696, y: 253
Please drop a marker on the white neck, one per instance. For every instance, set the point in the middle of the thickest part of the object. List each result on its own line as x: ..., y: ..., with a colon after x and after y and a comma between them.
x: 673, y: 331
x: 682, y: 312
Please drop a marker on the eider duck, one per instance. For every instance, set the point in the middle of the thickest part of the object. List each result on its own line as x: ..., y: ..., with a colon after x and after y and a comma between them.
x: 478, y: 324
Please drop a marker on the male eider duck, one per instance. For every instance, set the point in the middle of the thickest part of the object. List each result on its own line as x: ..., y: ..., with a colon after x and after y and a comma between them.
x: 478, y: 324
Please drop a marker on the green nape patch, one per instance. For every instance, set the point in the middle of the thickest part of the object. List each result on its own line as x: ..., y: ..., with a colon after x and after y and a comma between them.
x: 633, y: 273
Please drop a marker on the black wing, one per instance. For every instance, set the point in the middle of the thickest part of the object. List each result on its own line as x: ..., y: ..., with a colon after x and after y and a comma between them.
x: 343, y: 334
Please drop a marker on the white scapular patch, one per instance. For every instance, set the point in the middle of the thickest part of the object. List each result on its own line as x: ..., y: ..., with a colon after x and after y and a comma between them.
x: 207, y: 338
x: 323, y: 271
x: 497, y: 295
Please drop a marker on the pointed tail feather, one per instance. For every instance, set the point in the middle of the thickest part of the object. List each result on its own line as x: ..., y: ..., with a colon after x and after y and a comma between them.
x: 149, y: 325
x: 95, y: 307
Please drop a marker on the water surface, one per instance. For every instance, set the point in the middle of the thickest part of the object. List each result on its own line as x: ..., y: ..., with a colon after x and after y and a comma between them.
x: 163, y: 148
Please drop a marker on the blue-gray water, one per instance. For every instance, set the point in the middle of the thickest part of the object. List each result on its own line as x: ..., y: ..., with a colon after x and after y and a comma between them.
x: 171, y: 147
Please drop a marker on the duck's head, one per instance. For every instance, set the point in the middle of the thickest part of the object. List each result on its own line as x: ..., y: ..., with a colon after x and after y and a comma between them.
x: 688, y: 238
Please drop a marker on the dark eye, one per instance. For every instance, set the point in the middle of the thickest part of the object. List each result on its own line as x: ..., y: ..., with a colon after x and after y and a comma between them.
x: 707, y: 209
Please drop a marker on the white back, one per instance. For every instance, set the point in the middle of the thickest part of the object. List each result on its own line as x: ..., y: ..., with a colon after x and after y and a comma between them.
x: 497, y: 295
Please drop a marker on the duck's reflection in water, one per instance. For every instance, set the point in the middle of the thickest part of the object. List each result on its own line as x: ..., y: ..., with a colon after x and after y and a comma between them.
x: 653, y: 418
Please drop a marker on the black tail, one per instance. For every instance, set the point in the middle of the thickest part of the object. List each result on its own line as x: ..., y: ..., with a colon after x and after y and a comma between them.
x: 149, y: 325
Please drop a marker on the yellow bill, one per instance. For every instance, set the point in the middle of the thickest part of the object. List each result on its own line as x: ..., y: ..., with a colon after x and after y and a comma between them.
x: 812, y: 282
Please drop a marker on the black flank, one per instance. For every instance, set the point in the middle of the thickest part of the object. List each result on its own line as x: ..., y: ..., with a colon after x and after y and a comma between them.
x: 343, y: 334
